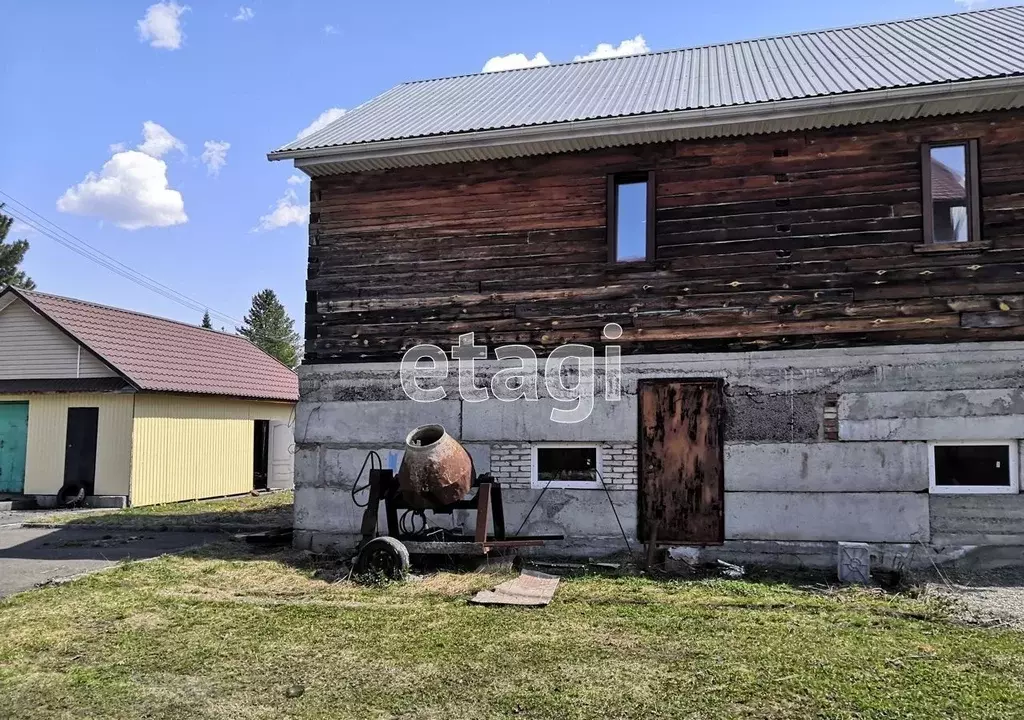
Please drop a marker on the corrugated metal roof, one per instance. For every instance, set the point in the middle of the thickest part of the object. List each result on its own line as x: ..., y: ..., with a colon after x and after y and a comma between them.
x: 164, y: 355
x: 927, y: 51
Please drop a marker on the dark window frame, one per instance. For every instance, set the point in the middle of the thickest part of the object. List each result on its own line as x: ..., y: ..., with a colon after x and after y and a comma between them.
x: 971, y: 183
x: 627, y: 178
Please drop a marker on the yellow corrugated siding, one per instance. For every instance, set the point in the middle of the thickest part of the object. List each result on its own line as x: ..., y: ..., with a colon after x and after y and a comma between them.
x: 47, y: 436
x: 189, y: 447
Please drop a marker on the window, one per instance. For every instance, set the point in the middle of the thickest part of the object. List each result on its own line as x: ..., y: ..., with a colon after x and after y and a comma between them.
x: 631, y: 217
x: 986, y: 466
x: 950, y: 192
x: 566, y: 466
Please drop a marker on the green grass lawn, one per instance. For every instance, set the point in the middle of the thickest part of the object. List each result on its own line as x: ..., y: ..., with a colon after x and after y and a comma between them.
x: 202, y: 637
x: 266, y: 510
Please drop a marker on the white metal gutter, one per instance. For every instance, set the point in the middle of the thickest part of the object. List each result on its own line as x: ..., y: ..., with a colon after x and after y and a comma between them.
x: 752, y: 119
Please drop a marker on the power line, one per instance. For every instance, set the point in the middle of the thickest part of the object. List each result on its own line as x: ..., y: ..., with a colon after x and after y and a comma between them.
x: 79, y: 246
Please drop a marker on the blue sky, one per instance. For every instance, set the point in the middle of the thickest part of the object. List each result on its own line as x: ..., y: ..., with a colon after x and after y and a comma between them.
x: 76, y: 79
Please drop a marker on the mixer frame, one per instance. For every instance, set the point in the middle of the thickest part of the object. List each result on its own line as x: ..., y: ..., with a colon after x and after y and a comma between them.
x: 488, y: 504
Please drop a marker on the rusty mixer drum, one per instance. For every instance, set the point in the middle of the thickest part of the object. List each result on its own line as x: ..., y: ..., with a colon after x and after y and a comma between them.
x: 436, y: 470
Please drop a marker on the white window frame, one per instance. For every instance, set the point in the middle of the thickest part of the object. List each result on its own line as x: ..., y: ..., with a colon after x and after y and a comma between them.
x: 1011, y: 489
x: 567, y: 484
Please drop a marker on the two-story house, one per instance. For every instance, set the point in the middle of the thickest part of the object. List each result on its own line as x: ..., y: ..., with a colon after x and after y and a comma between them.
x: 801, y: 256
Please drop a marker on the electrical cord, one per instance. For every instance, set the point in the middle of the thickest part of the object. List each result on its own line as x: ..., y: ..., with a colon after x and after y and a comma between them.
x: 407, y: 523
x: 375, y: 462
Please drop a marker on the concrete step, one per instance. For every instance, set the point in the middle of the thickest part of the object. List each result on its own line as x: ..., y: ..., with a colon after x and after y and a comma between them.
x: 17, y: 502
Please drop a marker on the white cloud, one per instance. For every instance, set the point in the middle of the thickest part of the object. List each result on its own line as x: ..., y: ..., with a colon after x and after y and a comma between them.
x: 161, y: 26
x: 215, y: 156
x: 157, y: 142
x: 20, y: 231
x: 118, y: 147
x: 634, y: 46
x: 330, y: 30
x: 323, y: 120
x: 244, y: 14
x: 130, y: 191
x: 296, y: 179
x: 514, y: 61
x: 286, y: 212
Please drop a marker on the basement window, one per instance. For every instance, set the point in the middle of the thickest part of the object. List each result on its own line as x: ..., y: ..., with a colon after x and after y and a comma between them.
x: 950, y: 194
x: 986, y: 466
x: 570, y: 465
x: 631, y: 217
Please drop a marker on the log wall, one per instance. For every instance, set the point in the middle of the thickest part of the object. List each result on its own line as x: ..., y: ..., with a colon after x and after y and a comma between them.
x: 778, y: 241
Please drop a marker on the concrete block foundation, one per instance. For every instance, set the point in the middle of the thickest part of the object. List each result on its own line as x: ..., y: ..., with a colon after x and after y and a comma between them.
x: 791, y: 493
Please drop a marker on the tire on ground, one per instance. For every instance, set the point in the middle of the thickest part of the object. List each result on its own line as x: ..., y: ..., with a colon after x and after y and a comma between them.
x: 384, y: 556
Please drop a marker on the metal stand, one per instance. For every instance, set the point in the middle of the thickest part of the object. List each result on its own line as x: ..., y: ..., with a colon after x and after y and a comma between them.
x: 488, y: 505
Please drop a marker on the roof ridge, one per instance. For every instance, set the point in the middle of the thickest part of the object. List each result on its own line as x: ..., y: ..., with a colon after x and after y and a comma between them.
x: 157, y: 354
x: 90, y: 303
x: 782, y: 36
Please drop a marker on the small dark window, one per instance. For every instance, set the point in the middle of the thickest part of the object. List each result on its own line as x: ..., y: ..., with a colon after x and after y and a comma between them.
x: 631, y: 217
x: 974, y: 467
x: 950, y: 192
x: 565, y: 464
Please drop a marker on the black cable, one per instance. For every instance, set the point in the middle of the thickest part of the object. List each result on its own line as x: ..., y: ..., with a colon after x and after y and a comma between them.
x: 408, y: 527
x: 356, y: 487
x: 614, y: 511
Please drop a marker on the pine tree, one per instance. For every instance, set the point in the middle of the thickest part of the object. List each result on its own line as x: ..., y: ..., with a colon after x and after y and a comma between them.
x: 268, y: 326
x: 206, y: 321
x: 11, y: 256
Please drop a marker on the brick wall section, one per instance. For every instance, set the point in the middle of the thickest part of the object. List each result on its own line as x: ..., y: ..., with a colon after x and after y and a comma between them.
x: 511, y: 465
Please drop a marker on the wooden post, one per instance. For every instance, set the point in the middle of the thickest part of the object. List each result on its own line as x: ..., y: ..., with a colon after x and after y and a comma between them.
x: 652, y: 545
x: 483, y: 509
x: 498, y: 511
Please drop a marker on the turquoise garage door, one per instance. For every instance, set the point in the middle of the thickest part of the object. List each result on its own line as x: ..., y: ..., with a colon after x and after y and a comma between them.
x: 13, y: 443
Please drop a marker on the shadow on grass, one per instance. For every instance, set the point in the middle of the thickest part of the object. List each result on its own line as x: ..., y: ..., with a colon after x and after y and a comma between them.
x: 271, y: 511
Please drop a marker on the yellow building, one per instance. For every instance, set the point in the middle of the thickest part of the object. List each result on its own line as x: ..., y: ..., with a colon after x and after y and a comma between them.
x: 134, y: 409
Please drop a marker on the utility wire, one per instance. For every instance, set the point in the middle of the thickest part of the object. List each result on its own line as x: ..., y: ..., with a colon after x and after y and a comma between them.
x: 79, y: 246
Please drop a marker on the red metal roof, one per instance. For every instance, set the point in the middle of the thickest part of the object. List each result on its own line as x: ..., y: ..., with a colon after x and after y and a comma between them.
x: 165, y: 355
x: 947, y: 183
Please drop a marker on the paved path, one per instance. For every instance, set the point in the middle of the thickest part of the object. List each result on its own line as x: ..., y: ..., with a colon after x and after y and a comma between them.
x: 29, y: 556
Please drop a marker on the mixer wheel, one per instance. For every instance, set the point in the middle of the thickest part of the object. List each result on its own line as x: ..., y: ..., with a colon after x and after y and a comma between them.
x: 383, y: 556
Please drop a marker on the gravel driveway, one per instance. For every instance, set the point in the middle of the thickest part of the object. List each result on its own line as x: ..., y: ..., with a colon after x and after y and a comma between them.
x: 993, y: 598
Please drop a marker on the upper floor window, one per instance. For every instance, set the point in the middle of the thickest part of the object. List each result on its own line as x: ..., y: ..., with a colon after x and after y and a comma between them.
x: 950, y: 188
x: 631, y: 217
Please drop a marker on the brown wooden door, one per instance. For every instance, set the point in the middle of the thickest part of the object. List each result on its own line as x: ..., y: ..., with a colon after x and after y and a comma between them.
x: 681, y: 480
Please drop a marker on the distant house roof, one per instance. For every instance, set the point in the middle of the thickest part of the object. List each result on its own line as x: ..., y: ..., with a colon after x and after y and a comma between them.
x: 714, y: 90
x: 947, y: 183
x: 156, y: 354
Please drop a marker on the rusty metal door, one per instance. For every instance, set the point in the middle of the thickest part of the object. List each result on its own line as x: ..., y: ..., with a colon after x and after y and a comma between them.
x: 681, y: 480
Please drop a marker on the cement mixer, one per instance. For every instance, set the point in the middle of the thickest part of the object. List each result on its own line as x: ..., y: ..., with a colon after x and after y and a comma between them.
x: 436, y: 476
